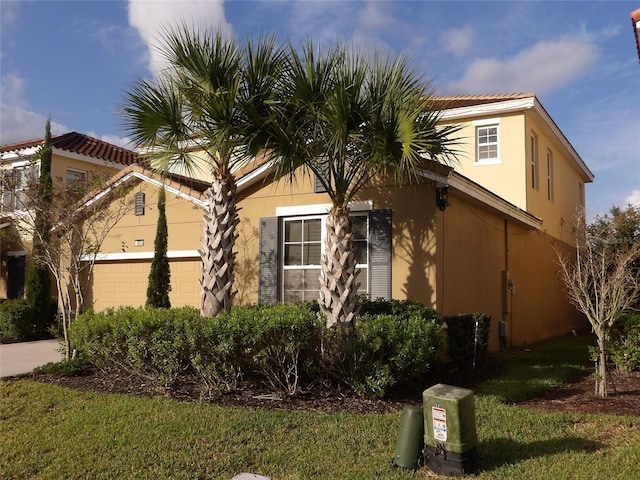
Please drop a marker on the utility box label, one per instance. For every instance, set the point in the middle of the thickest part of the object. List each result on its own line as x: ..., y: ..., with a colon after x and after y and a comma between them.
x: 439, y: 416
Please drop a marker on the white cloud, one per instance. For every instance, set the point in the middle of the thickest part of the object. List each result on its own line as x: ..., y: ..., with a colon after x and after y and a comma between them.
x: 634, y: 198
x: 115, y: 140
x: 9, y: 13
x: 457, y: 41
x: 149, y: 17
x: 541, y: 68
x: 12, y: 88
x: 20, y: 124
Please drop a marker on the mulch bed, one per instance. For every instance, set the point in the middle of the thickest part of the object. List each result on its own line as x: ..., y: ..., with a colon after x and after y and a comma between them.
x: 576, y: 396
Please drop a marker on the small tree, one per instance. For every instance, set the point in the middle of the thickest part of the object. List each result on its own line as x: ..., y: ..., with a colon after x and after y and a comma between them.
x: 38, y: 278
x: 80, y: 224
x: 160, y: 274
x: 601, y: 281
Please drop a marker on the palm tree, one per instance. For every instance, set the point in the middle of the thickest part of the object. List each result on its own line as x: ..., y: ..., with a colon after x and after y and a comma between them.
x: 351, y: 119
x: 210, y: 104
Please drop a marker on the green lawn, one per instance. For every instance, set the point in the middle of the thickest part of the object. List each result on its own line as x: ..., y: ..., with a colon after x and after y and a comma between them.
x: 50, y: 432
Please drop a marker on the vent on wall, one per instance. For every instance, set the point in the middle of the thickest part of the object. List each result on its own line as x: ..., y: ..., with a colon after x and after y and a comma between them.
x: 138, y: 201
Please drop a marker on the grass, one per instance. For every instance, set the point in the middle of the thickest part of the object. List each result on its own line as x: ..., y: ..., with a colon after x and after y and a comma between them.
x: 539, y: 368
x: 49, y: 432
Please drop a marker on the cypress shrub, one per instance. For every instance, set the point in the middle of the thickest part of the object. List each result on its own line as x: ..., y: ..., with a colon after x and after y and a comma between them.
x: 160, y: 274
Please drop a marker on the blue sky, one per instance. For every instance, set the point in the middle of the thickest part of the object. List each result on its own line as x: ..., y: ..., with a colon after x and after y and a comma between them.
x: 73, y: 60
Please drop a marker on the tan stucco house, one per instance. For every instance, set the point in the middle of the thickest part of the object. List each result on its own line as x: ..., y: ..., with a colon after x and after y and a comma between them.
x: 479, y: 236
x: 75, y: 157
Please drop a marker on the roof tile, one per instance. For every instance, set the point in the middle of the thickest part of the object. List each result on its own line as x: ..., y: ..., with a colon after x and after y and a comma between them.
x: 82, y: 144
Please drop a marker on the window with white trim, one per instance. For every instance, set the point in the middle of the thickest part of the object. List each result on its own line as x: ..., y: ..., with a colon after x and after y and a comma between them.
x: 535, y: 181
x: 15, y: 186
x: 487, y: 140
x: 303, y: 242
x: 550, y: 175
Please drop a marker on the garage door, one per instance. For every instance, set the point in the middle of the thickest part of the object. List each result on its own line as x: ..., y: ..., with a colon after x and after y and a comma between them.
x: 122, y: 283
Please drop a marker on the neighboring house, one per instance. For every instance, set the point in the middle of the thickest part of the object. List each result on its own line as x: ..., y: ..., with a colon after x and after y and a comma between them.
x: 635, y: 22
x: 74, y: 158
x: 479, y: 236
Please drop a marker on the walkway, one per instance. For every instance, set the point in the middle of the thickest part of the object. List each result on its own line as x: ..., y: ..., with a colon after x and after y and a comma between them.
x: 19, y: 358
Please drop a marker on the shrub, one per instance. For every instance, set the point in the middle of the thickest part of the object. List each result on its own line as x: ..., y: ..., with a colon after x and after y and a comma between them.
x: 468, y: 339
x: 16, y: 321
x: 151, y: 343
x: 381, y: 352
x: 402, y: 309
x: 624, y: 344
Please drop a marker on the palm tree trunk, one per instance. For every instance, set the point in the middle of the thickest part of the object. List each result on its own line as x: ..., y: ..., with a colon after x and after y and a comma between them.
x: 338, y: 281
x: 218, y: 242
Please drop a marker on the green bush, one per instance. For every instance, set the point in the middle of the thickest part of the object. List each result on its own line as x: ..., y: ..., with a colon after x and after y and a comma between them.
x: 624, y: 344
x: 382, y: 352
x: 402, y: 309
x: 274, y: 344
x: 465, y: 349
x: 151, y: 343
x: 281, y: 346
x: 16, y: 321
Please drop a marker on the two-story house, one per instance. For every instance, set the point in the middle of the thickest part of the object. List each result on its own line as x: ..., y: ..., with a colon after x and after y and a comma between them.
x: 477, y: 236
x: 74, y: 158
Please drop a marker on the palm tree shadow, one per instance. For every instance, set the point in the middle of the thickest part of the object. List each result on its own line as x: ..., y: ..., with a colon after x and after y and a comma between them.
x: 498, y: 452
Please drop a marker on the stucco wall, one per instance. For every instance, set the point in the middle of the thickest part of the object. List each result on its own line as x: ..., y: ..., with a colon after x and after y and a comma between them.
x: 478, y: 252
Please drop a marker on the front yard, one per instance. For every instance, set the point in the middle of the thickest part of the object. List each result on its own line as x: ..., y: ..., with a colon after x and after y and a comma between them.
x: 51, y: 432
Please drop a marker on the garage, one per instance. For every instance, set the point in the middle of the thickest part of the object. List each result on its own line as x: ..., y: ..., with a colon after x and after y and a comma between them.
x: 123, y: 283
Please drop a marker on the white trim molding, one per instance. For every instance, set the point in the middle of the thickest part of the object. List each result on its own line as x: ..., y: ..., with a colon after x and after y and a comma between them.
x: 320, y: 208
x: 106, y: 257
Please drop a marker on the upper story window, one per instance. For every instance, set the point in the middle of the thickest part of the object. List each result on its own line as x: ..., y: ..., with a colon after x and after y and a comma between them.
x: 487, y: 141
x: 535, y: 180
x: 550, y: 175
x: 15, y: 186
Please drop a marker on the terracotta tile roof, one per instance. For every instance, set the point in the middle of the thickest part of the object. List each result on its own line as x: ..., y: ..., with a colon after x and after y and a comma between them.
x: 635, y: 22
x: 457, y: 101
x: 187, y: 185
x: 81, y: 144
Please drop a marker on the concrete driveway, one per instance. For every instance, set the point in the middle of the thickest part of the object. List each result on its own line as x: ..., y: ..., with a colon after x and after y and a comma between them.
x: 19, y: 358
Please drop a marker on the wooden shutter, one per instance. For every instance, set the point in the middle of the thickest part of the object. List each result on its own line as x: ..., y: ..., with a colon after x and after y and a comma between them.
x: 268, y: 261
x: 380, y: 249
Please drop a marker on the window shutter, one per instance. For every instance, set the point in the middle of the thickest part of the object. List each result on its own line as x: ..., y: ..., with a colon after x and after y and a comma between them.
x: 317, y: 185
x: 138, y: 201
x: 380, y: 248
x: 268, y: 262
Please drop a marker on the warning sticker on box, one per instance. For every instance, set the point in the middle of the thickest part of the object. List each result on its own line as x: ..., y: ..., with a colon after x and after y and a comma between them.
x: 439, y: 416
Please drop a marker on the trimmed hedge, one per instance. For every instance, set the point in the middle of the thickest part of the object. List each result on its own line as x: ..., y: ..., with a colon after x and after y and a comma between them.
x: 624, y: 344
x: 281, y: 346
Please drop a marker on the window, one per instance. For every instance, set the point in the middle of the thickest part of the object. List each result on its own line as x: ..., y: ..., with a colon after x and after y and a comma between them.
x: 15, y: 185
x: 487, y: 137
x: 291, y: 247
x: 302, y: 246
x: 535, y: 182
x: 549, y: 175
x: 303, y: 242
x: 76, y: 178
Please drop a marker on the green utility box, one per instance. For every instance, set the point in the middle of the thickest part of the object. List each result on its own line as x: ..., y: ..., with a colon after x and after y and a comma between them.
x: 410, y: 438
x: 450, y: 430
